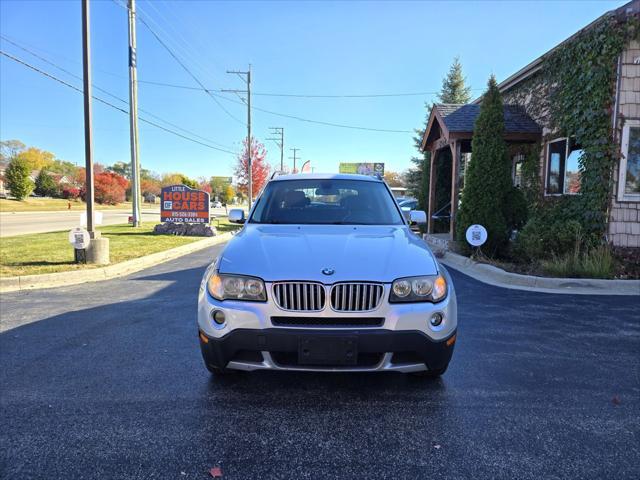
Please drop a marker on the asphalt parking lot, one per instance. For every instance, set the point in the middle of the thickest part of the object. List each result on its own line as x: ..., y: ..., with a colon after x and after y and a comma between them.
x: 105, y: 380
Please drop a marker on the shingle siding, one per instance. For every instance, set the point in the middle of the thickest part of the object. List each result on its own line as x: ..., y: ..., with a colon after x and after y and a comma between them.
x: 624, y: 220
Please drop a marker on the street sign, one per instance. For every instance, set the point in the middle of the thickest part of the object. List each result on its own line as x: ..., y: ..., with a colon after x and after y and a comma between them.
x: 97, y: 218
x: 476, y: 235
x: 79, y: 238
x: 181, y: 204
x: 362, y: 168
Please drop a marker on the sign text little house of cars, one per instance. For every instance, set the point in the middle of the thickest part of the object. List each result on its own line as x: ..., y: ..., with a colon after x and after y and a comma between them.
x: 181, y: 204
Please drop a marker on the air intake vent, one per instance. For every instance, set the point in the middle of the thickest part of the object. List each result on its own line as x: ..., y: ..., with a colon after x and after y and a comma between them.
x: 356, y: 297
x: 299, y: 296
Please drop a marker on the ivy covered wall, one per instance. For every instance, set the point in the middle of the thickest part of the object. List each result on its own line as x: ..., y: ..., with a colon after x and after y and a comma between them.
x: 573, y: 94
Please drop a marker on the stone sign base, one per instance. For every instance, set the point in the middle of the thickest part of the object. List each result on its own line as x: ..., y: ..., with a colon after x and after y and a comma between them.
x: 186, y: 229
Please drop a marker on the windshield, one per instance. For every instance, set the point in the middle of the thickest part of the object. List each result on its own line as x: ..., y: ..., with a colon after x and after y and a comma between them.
x: 326, y: 202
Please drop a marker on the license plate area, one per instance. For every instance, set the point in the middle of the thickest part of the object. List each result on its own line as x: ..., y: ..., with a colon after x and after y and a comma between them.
x: 327, y: 350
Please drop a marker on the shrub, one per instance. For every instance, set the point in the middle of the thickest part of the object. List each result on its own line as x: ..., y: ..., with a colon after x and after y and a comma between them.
x: 515, y: 209
x: 18, y: 181
x: 488, y: 175
x: 552, y: 229
x: 71, y: 193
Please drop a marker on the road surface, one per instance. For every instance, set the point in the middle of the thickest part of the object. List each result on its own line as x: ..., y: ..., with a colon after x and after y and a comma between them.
x: 21, y: 223
x: 105, y: 380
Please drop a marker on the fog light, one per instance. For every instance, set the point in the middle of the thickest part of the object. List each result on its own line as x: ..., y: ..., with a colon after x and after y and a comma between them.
x: 218, y: 316
x: 436, y: 319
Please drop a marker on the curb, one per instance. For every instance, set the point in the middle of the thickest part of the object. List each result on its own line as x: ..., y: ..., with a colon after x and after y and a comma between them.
x: 59, y: 279
x: 501, y: 278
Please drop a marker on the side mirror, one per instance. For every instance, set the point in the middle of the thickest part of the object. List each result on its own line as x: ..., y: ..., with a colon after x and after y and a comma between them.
x: 417, y: 216
x: 236, y: 215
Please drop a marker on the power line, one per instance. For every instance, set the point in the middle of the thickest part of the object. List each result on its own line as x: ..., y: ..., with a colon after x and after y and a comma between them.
x: 53, y: 77
x: 302, y: 95
x: 186, y: 69
x: 319, y: 122
x: 109, y: 93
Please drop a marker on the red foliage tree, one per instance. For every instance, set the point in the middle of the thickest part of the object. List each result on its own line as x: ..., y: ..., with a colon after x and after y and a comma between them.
x: 259, y: 167
x: 204, y: 186
x: 150, y: 186
x: 109, y: 188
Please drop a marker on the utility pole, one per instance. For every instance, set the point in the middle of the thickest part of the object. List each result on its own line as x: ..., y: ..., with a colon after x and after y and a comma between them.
x: 98, y: 250
x: 279, y: 142
x: 295, y: 151
x: 88, y: 140
x: 247, y: 80
x: 133, y: 116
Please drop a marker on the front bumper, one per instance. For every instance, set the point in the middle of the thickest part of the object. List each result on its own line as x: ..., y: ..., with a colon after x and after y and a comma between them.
x: 278, y: 348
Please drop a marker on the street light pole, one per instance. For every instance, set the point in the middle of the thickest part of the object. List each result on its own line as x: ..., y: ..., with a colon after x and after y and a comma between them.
x: 133, y: 116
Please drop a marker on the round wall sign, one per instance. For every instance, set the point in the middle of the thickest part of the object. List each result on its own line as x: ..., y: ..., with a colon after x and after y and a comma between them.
x: 476, y: 235
x: 79, y: 238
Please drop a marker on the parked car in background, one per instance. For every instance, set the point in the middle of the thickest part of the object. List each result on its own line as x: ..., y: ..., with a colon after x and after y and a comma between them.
x: 326, y: 275
x: 216, y: 204
x: 408, y: 204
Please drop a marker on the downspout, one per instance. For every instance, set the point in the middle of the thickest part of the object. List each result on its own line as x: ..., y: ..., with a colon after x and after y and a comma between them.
x: 614, y: 137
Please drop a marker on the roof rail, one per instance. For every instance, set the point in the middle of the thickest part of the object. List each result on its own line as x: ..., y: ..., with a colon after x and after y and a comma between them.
x: 275, y: 174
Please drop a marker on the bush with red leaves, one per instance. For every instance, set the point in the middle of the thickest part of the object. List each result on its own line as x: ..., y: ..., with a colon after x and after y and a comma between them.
x: 109, y: 188
x: 70, y: 193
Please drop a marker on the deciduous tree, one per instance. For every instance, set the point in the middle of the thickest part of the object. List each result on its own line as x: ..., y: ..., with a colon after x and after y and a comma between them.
x: 36, y: 159
x: 10, y: 148
x: 110, y: 188
x: 393, y: 179
x: 259, y: 167
x: 17, y: 177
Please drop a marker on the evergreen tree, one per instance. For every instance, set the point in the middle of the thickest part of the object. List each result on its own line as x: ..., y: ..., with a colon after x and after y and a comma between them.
x: 45, y: 185
x: 17, y: 176
x: 454, y: 89
x: 488, y: 176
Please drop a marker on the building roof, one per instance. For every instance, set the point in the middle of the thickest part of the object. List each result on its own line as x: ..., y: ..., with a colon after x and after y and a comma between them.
x: 457, y: 121
x: 462, y: 118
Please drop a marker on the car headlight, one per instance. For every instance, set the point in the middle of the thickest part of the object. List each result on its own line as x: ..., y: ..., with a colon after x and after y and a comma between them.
x: 432, y: 288
x: 236, y: 287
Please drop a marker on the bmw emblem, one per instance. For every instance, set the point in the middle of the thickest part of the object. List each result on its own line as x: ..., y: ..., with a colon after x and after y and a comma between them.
x: 328, y: 271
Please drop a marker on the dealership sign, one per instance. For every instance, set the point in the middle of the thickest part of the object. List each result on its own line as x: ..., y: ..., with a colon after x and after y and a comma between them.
x: 362, y: 168
x: 181, y: 204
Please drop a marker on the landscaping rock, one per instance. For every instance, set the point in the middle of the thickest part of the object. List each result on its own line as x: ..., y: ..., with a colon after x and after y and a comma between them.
x: 185, y: 229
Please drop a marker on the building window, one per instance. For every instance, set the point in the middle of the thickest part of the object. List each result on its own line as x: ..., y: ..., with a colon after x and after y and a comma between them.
x: 563, y: 167
x: 629, y: 181
x: 516, y: 173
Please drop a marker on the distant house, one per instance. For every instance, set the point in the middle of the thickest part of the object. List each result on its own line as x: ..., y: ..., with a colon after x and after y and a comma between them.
x: 528, y: 121
x: 3, y: 189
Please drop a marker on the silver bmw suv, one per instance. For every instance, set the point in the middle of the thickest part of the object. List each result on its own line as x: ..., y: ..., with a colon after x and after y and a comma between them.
x: 326, y: 275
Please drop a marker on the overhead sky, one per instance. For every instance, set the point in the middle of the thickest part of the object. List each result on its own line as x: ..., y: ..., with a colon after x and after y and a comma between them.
x: 307, y: 48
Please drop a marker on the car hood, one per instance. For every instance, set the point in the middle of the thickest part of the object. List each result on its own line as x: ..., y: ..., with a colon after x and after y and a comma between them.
x: 301, y: 252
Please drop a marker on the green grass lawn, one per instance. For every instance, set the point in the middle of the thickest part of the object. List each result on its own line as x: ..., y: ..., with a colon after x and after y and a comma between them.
x: 33, y: 204
x: 51, y: 252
